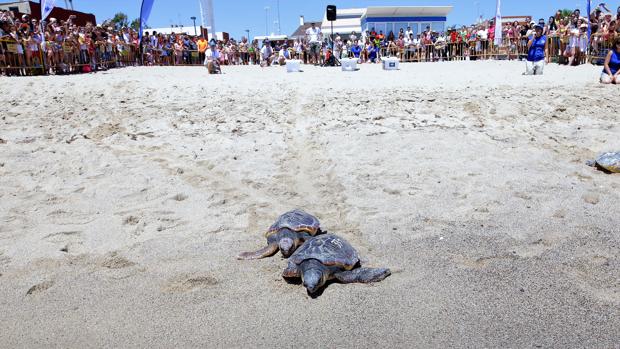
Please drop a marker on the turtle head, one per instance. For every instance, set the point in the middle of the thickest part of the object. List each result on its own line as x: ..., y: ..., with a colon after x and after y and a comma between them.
x: 313, y: 279
x: 287, y: 246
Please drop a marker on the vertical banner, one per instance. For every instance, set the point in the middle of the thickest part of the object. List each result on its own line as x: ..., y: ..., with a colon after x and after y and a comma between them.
x: 46, y: 8
x: 588, y: 6
x: 206, y: 13
x: 498, y: 24
x: 145, y: 12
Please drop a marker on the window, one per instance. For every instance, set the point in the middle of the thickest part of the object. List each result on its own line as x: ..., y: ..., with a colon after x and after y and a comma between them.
x: 415, y: 26
x: 380, y: 27
x: 398, y: 26
x: 438, y: 26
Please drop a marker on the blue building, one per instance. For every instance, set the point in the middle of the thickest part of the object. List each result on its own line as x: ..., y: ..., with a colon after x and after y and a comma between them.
x: 388, y: 18
x: 393, y: 18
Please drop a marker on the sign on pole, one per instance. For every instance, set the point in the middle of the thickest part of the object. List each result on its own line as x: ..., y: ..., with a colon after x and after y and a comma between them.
x: 46, y: 8
x: 206, y: 14
x: 498, y: 24
x: 145, y: 12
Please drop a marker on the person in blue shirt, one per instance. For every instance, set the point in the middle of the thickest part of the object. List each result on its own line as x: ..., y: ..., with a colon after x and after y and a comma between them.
x: 356, y: 50
x: 536, y: 49
x: 611, y: 72
x: 372, y: 53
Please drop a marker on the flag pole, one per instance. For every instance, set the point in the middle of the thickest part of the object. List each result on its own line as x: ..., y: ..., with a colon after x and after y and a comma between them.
x: 588, y: 6
x: 140, y: 34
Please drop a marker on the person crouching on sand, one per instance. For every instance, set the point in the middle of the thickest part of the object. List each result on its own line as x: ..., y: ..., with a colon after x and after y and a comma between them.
x: 283, y: 55
x: 536, y: 48
x: 212, y: 60
x: 611, y: 73
x: 266, y: 54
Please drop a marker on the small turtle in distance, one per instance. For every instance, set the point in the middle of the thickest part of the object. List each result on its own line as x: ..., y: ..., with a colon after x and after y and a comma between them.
x: 329, y: 257
x: 609, y: 162
x: 289, y: 232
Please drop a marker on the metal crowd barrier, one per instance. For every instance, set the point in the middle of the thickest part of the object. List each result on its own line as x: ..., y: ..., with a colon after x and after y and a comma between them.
x: 599, y: 47
x: 18, y: 58
x: 22, y: 58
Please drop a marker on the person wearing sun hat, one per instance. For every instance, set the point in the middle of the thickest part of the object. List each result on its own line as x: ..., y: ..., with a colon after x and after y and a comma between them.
x: 212, y: 58
x: 536, y: 47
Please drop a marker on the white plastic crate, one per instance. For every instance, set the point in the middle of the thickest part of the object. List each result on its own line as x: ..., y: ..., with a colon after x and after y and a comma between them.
x: 293, y: 66
x: 349, y: 64
x: 390, y: 63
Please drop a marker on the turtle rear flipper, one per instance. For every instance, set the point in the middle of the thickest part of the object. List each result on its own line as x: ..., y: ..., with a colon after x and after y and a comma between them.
x: 591, y: 163
x: 363, y: 275
x: 267, y: 251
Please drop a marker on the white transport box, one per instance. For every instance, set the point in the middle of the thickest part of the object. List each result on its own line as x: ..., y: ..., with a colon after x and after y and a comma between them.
x: 293, y: 66
x: 390, y: 63
x: 349, y: 64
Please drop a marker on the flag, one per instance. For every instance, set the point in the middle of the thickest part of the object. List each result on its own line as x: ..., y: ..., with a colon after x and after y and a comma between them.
x: 46, y: 8
x: 498, y: 25
x: 145, y: 12
x: 206, y: 13
x: 588, y: 6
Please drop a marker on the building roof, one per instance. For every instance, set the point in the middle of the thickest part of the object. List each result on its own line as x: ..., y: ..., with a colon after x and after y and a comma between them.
x: 408, y: 11
x: 347, y: 21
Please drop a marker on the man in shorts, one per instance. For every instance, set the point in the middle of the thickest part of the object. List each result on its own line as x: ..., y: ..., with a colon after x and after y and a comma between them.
x: 313, y: 36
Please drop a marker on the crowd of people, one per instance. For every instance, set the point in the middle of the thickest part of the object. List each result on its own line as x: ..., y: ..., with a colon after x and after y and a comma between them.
x: 60, y: 46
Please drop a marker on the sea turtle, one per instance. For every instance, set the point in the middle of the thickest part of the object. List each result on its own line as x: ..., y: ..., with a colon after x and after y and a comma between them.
x: 608, y: 161
x: 288, y: 232
x: 329, y: 257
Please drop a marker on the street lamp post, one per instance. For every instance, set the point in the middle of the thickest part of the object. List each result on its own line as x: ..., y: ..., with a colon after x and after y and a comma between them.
x: 248, y: 31
x: 279, y: 31
x: 194, y: 19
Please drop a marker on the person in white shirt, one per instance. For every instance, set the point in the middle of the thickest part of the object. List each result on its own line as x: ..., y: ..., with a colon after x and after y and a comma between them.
x: 212, y: 59
x: 409, y: 32
x: 283, y: 55
x: 483, y: 37
x: 408, y: 44
x: 353, y: 37
x: 266, y: 54
x: 314, y: 37
x: 440, y: 46
x: 337, y: 46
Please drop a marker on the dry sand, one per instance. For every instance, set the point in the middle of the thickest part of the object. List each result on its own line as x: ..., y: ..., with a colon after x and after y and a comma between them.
x: 126, y: 195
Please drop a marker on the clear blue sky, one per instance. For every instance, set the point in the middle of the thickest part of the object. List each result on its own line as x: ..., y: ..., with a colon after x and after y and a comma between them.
x: 234, y: 16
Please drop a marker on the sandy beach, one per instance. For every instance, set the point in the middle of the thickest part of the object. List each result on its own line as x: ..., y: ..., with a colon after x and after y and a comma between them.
x: 126, y: 195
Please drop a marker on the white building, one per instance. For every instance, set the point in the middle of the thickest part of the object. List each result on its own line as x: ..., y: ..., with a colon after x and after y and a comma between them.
x: 347, y: 20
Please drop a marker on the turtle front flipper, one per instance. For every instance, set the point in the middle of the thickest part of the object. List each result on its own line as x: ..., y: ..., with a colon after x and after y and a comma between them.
x: 292, y: 271
x: 267, y: 251
x: 362, y: 275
